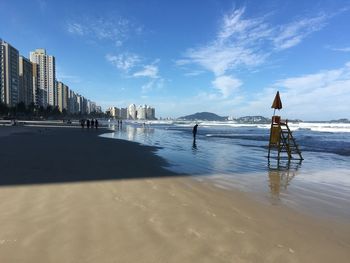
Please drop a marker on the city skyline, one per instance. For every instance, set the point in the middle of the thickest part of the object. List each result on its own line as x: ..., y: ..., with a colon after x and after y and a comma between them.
x: 226, y: 57
x: 33, y: 83
x: 132, y: 112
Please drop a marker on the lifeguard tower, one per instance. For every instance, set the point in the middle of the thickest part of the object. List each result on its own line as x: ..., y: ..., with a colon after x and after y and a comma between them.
x: 281, y: 137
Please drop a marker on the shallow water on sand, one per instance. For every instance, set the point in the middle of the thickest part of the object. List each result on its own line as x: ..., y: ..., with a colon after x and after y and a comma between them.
x: 236, y: 157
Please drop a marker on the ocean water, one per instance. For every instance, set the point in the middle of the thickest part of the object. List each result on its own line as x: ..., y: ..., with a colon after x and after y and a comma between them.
x: 235, y: 156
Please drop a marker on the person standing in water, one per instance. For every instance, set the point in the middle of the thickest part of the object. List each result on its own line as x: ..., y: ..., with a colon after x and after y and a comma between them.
x: 194, y: 131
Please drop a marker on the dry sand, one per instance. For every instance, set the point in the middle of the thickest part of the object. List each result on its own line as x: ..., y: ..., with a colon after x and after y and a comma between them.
x: 73, y: 197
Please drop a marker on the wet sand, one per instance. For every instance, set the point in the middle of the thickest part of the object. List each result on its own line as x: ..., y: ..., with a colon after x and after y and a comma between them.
x: 70, y: 196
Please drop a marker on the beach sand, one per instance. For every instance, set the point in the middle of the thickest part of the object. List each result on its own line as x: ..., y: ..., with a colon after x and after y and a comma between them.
x: 70, y: 196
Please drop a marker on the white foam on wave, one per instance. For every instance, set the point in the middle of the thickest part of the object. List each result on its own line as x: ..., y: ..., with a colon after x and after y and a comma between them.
x: 317, y: 127
x: 313, y: 126
x: 322, y: 127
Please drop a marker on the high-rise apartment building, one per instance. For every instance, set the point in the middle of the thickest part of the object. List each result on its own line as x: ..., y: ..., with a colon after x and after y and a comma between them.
x: 2, y: 72
x: 141, y: 112
x: 26, y: 89
x: 82, y: 104
x: 123, y: 113
x: 149, y: 113
x: 99, y: 109
x: 47, y: 76
x: 62, y: 96
x: 37, y: 96
x: 91, y: 107
x: 132, y: 112
x: 72, y: 102
x: 9, y: 79
x: 114, y: 112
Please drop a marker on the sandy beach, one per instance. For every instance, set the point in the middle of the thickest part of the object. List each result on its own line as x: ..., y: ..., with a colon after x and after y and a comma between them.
x: 71, y: 196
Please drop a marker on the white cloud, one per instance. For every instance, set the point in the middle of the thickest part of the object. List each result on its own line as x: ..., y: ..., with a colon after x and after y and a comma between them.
x: 128, y: 63
x: 124, y: 62
x: 148, y: 86
x: 115, y: 29
x: 234, y: 46
x: 150, y: 71
x: 218, y: 58
x: 194, y: 73
x: 153, y: 84
x: 234, y: 26
x: 227, y: 85
x: 292, y: 34
x: 345, y: 49
x: 248, y: 42
x: 76, y: 28
x: 323, y: 95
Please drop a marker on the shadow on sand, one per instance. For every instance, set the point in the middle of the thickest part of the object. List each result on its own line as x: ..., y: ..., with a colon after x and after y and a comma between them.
x: 74, y: 155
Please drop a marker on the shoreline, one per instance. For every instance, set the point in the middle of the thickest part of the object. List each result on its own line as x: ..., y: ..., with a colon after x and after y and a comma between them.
x: 114, y: 202
x: 314, y: 187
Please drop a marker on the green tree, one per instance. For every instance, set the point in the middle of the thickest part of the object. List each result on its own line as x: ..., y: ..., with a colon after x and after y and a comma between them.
x: 3, y: 109
x: 21, y: 107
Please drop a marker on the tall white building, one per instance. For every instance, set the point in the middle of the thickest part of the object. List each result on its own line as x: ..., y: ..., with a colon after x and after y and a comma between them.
x: 98, y: 109
x: 80, y: 104
x: 26, y: 89
x: 72, y: 102
x: 141, y: 112
x: 132, y: 112
x: 149, y: 113
x: 47, y: 76
x: 123, y: 113
x: 36, y: 91
x: 62, y: 96
x: 114, y: 112
x: 9, y: 74
x: 91, y: 107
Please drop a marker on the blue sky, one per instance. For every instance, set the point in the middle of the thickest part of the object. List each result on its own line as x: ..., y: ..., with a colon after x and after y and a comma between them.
x: 181, y: 57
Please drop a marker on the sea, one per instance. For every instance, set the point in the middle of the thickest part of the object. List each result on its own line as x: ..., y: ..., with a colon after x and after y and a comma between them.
x: 234, y: 156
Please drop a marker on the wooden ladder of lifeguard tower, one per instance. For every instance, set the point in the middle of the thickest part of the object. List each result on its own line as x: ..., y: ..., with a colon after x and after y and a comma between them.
x: 282, y: 140
x: 281, y: 137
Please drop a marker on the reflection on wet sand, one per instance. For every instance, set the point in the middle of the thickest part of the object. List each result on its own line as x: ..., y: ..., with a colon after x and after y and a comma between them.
x: 280, y: 178
x: 132, y: 132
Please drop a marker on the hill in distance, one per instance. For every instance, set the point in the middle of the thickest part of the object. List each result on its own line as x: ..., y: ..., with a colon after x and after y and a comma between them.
x: 208, y: 116
x: 203, y: 116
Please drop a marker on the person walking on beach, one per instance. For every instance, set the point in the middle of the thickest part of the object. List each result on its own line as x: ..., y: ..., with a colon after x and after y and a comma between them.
x: 87, y: 123
x: 92, y: 123
x: 82, y: 123
x: 194, y: 131
x: 96, y: 124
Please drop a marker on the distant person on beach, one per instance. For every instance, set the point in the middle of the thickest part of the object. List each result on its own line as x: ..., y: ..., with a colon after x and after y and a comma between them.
x: 194, y: 131
x: 92, y: 123
x: 87, y: 123
x: 82, y: 123
x: 96, y: 124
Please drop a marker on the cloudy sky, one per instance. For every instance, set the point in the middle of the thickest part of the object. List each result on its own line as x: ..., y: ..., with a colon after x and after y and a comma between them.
x: 186, y: 56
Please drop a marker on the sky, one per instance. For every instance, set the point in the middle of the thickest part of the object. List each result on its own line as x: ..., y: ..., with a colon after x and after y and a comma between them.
x: 187, y: 56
